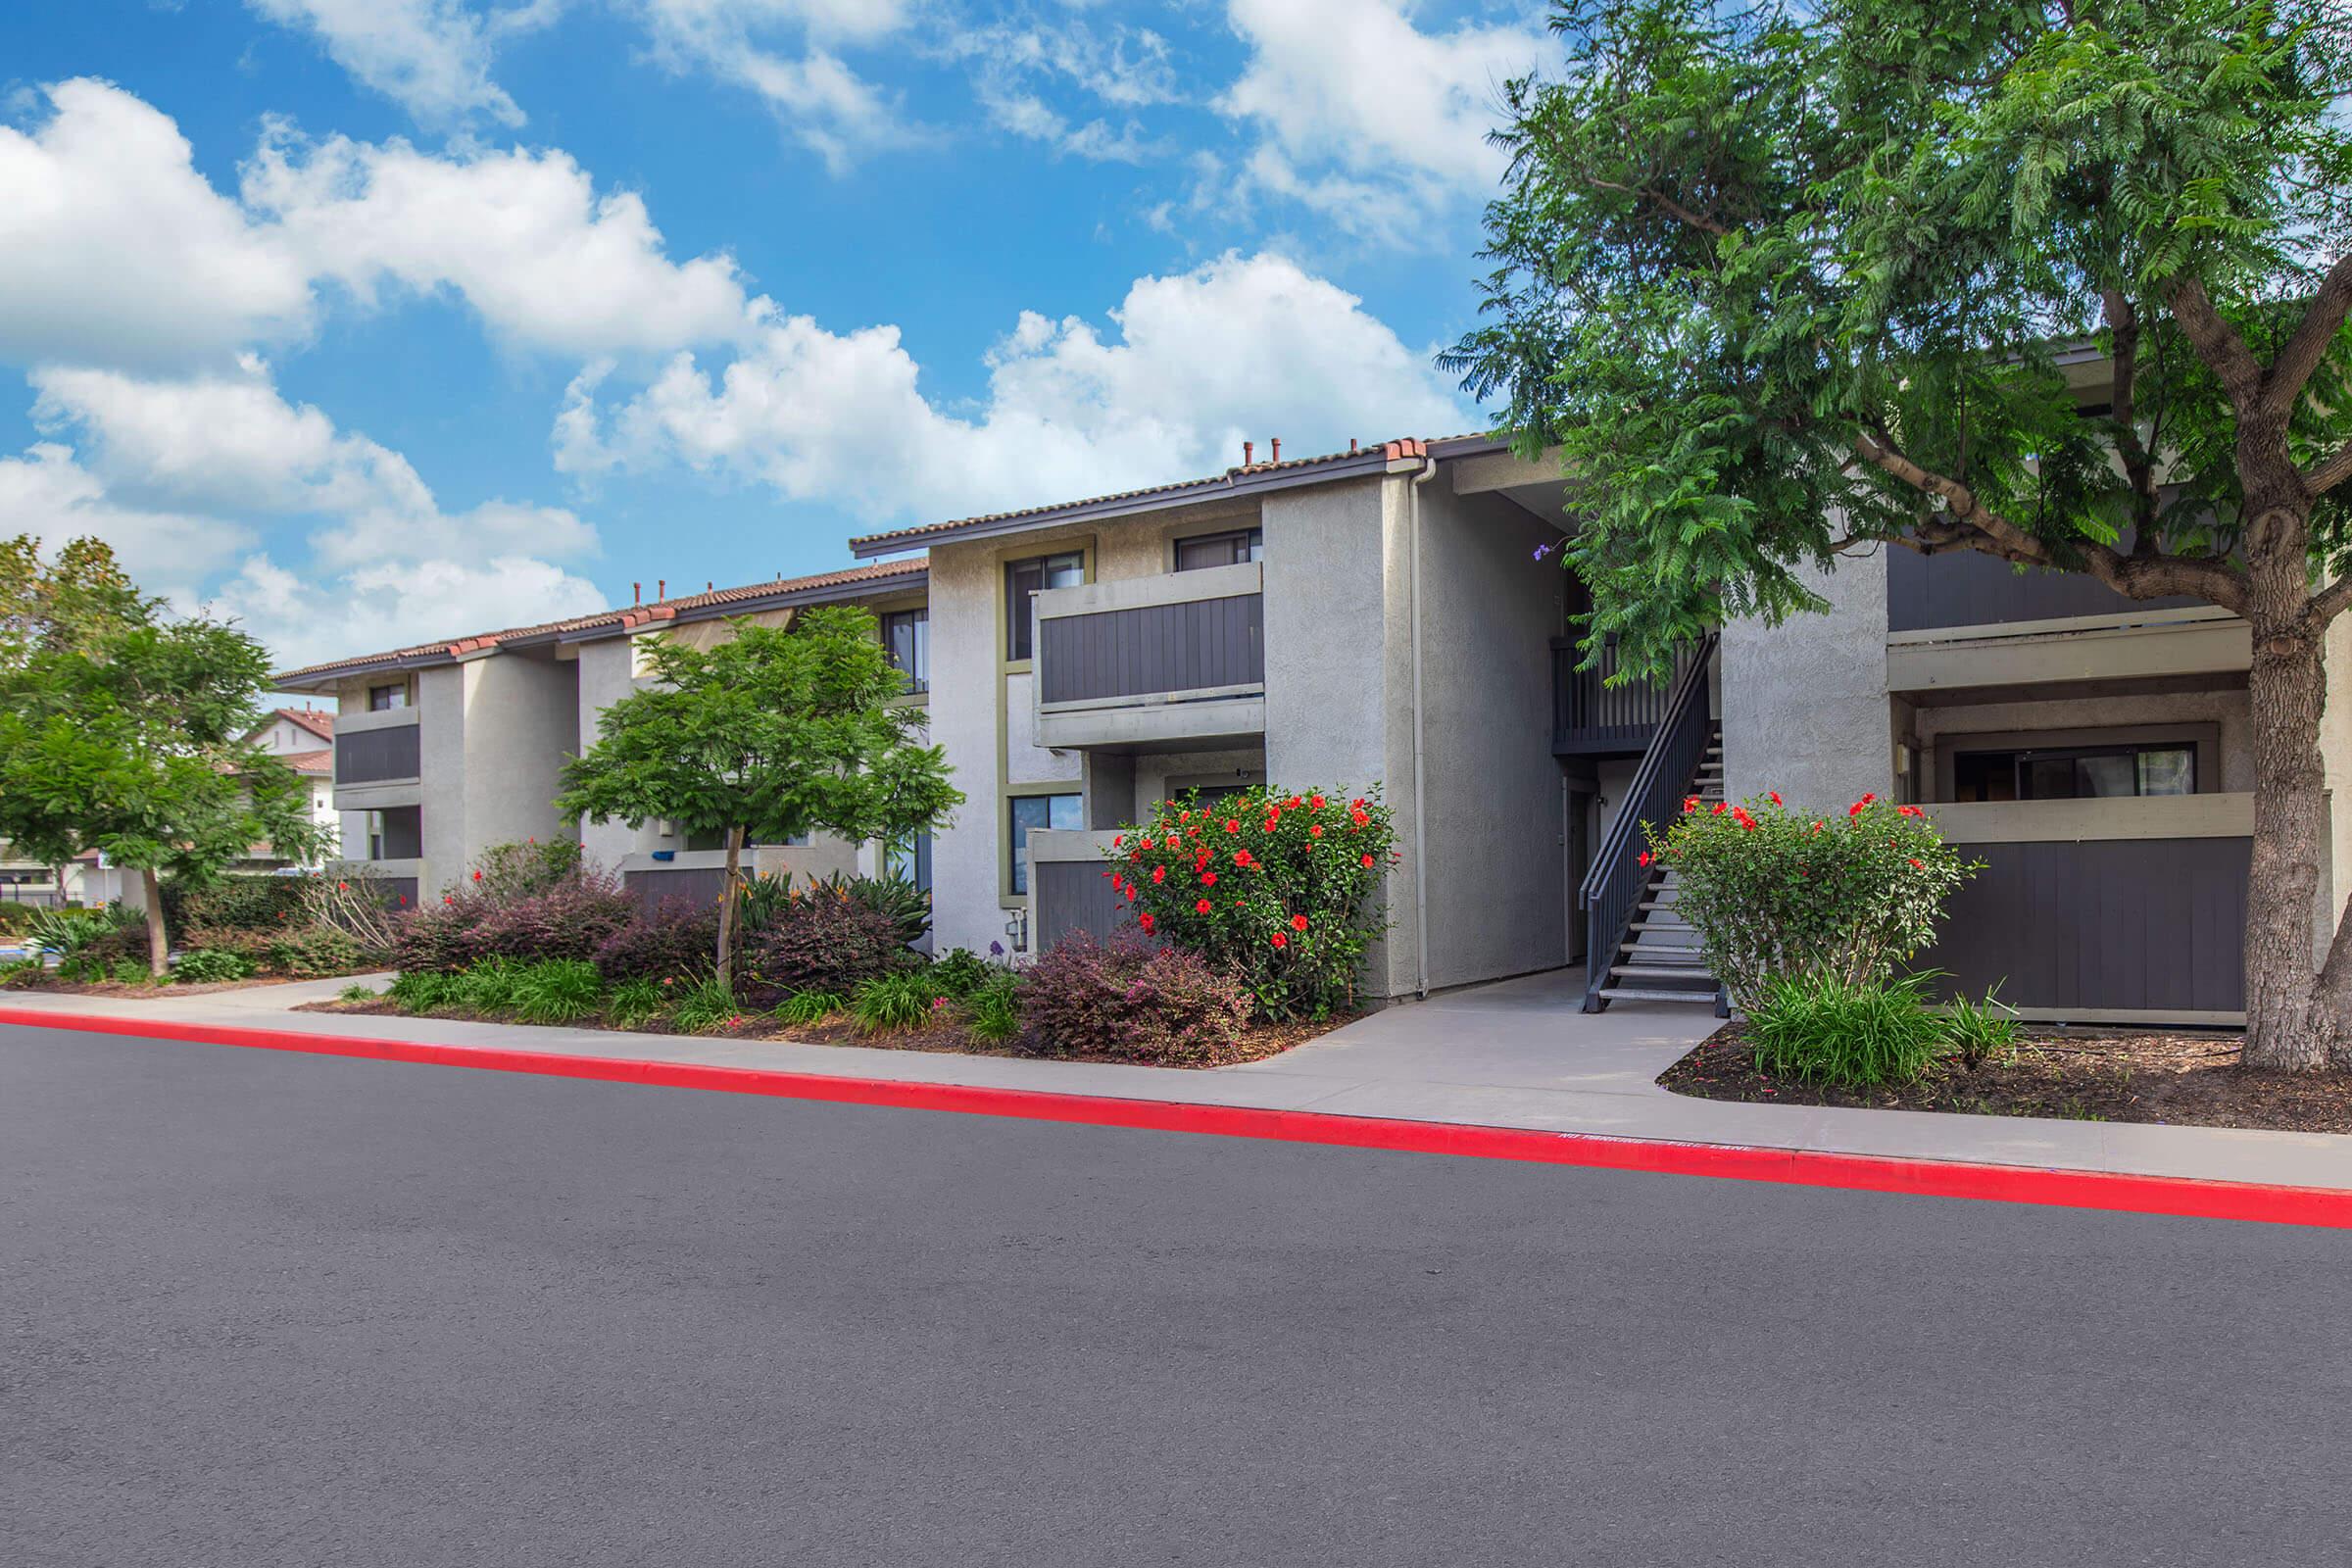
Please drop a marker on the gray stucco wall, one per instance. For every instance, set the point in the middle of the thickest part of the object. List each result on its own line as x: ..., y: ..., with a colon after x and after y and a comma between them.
x: 964, y: 695
x: 606, y: 675
x: 442, y: 694
x: 1804, y: 703
x: 1496, y: 895
x: 522, y: 721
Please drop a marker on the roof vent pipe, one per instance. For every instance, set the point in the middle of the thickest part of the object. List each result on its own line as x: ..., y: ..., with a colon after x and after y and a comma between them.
x: 636, y: 593
x: 1274, y: 450
x: 1249, y: 453
x: 661, y: 589
x: 1351, y: 446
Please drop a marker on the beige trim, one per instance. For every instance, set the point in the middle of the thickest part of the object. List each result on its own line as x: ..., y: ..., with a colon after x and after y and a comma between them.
x: 379, y: 795
x: 1189, y: 694
x: 2126, y: 620
x: 2144, y: 816
x: 1157, y: 724
x: 1503, y: 471
x: 2194, y: 647
x: 1062, y: 846
x: 1166, y: 588
x: 377, y: 718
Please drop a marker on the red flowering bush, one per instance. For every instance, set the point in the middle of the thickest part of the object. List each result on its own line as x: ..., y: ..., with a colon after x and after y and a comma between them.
x: 1273, y: 885
x: 1776, y: 894
x: 1132, y: 1000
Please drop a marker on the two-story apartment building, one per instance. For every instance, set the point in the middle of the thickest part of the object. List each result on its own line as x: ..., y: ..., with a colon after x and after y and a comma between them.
x: 304, y: 740
x: 444, y: 748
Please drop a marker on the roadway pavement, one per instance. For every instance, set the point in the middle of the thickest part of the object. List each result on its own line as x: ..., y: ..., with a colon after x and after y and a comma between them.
x: 264, y: 1308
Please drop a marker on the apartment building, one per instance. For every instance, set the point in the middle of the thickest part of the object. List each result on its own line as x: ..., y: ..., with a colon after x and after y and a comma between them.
x: 304, y: 740
x: 444, y: 748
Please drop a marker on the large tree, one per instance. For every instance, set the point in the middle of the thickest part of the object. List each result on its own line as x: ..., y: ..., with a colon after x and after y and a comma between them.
x: 1781, y: 284
x: 773, y: 733
x: 121, y: 731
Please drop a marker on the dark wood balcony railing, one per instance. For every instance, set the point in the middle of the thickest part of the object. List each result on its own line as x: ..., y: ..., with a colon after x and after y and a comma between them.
x: 1588, y: 715
x: 374, y: 756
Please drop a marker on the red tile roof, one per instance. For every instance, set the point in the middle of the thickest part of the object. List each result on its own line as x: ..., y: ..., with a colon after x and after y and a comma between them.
x: 317, y: 721
x: 686, y: 607
x: 319, y: 763
x: 1176, y: 491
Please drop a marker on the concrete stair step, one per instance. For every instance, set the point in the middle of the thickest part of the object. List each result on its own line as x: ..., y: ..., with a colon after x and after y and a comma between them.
x: 1648, y: 994
x: 1663, y: 971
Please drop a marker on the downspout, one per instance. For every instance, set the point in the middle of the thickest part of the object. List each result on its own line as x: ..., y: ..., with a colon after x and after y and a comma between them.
x: 1428, y: 472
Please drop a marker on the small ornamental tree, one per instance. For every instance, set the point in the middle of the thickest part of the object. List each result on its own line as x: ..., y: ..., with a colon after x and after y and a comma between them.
x: 1274, y: 885
x: 122, y: 732
x: 776, y: 732
x: 1776, y: 894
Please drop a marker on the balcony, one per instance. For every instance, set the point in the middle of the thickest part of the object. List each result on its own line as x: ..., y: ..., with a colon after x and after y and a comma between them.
x: 1172, y: 662
x: 377, y: 761
x: 1590, y: 717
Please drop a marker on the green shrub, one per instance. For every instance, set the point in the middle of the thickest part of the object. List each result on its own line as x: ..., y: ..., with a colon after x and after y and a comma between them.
x: 487, y: 986
x: 212, y: 965
x: 423, y: 991
x: 1979, y: 1032
x: 1823, y: 1029
x: 557, y: 989
x: 961, y: 972
x: 131, y: 972
x: 804, y: 1007
x: 632, y: 1001
x: 904, y: 1000
x: 704, y: 1005
x: 1274, y: 887
x: 358, y: 992
x: 1776, y: 894
x: 760, y: 899
x: 312, y: 952
x: 235, y: 903
x: 1133, y: 1001
x: 895, y: 898
x: 991, y: 1011
x: 15, y: 916
x: 510, y: 872
x: 65, y: 933
x: 21, y: 974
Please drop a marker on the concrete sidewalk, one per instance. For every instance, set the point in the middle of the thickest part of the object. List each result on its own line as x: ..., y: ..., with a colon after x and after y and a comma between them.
x: 1516, y: 1053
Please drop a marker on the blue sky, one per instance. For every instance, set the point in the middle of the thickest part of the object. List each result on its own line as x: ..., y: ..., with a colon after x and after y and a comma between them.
x: 376, y: 320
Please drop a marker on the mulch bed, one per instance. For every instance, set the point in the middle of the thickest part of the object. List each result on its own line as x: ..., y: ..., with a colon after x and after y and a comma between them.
x: 1259, y: 1042
x: 2075, y: 1074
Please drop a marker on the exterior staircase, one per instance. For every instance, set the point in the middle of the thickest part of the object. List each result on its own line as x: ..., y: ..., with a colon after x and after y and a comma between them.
x: 1659, y: 959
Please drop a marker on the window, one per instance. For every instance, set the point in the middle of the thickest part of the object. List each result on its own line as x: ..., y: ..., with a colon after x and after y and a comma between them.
x: 383, y: 699
x: 1220, y: 549
x: 2076, y: 772
x: 375, y: 836
x: 1035, y: 811
x: 909, y: 861
x: 906, y: 633
x: 1023, y: 581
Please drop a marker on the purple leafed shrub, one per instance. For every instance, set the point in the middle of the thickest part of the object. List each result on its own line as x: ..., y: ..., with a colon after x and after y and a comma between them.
x: 676, y: 938
x: 821, y: 941
x: 1133, y: 1001
x: 569, y: 918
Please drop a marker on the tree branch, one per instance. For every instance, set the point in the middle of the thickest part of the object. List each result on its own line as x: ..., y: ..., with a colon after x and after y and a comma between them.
x: 2218, y: 344
x: 2325, y: 605
x: 2124, y: 321
x: 2132, y: 576
x: 2314, y: 335
x: 1674, y: 208
x: 2329, y: 471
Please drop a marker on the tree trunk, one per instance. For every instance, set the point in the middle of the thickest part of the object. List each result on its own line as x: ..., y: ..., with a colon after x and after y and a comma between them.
x: 726, y: 913
x: 158, y: 946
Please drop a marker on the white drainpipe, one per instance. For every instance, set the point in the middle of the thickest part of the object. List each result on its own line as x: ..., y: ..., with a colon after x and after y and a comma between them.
x: 1428, y: 472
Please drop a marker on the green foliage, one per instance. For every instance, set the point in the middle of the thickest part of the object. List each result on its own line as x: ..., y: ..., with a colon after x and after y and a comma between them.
x: 810, y: 1007
x: 509, y: 873
x: 1273, y: 886
x: 131, y: 972
x: 1821, y: 1028
x: 123, y: 724
x: 1766, y: 278
x: 22, y: 973
x: 423, y: 991
x: 991, y: 1011
x: 62, y: 933
x: 358, y: 992
x: 557, y: 991
x: 906, y: 1000
x: 704, y: 1005
x: 16, y: 916
x: 487, y: 986
x: 897, y: 900
x: 758, y: 900
x: 823, y: 941
x: 1776, y: 894
x: 211, y: 966
x: 632, y: 1001
x: 779, y: 731
x: 960, y: 971
x: 1979, y: 1032
x: 235, y: 903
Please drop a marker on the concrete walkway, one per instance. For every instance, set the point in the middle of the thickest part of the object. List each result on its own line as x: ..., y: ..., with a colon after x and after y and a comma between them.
x: 1516, y: 1053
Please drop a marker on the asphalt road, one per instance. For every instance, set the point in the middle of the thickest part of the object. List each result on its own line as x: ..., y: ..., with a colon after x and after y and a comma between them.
x: 263, y: 1309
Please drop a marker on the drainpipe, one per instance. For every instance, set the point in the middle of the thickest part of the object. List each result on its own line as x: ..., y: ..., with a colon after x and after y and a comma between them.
x: 1428, y: 472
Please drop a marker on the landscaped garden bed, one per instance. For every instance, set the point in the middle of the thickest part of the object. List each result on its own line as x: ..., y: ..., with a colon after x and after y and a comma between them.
x: 2190, y: 1078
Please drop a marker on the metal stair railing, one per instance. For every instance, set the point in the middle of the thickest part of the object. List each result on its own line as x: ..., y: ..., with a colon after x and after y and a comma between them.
x: 1613, y: 886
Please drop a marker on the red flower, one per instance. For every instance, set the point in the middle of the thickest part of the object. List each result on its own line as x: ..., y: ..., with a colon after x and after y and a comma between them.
x: 1118, y: 840
x: 1201, y: 907
x: 1144, y: 921
x: 1281, y: 941
x: 1855, y: 810
x: 1909, y: 811
x: 342, y: 887
x: 1357, y: 803
x: 1271, y: 823
x: 1192, y: 833
x: 1143, y: 844
x: 1367, y: 859
x: 1642, y: 859
x: 1232, y: 826
x: 1297, y: 922
x: 1319, y: 801
x: 404, y: 900
x: 1291, y: 805
x: 1689, y: 804
x: 446, y: 899
x: 1360, y: 817
x: 478, y: 876
x: 1159, y: 874
x: 1208, y: 879
x: 1244, y: 857
x: 1718, y: 809
x: 1773, y: 796
x: 1917, y: 866
x: 1315, y: 832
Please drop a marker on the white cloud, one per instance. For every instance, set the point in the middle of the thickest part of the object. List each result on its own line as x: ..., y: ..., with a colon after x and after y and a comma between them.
x: 49, y: 495
x: 1353, y: 100
x: 1241, y: 348
x: 524, y: 237
x: 788, y: 51
x: 113, y: 248
x: 431, y: 57
x: 305, y: 620
x: 1124, y: 68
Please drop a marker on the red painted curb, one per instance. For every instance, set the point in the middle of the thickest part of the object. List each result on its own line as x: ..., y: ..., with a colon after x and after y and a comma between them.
x: 2181, y: 1195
